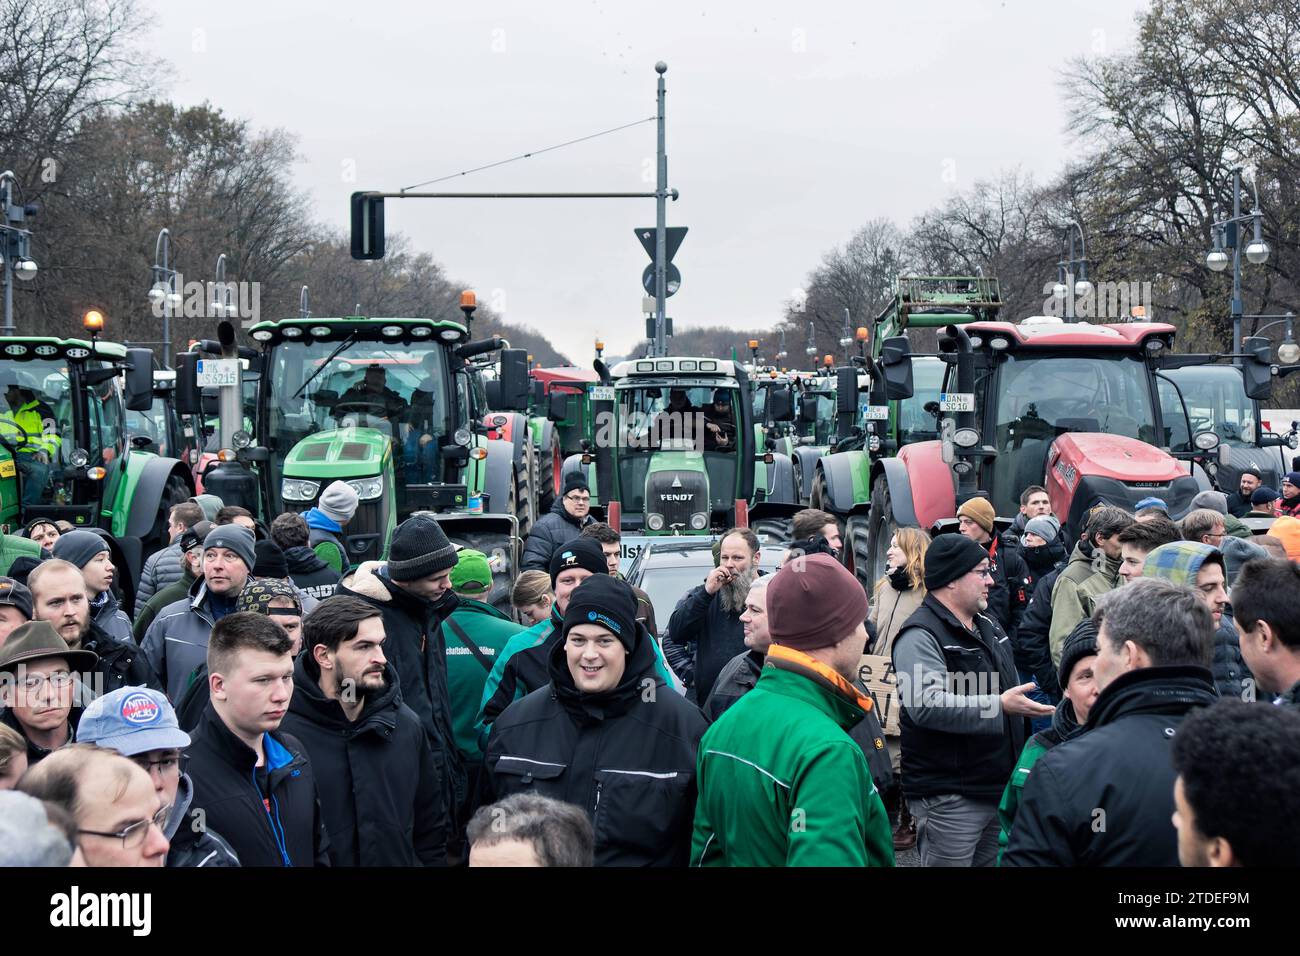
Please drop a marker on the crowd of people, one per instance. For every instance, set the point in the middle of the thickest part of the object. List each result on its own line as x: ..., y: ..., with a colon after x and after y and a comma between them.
x: 1107, y: 699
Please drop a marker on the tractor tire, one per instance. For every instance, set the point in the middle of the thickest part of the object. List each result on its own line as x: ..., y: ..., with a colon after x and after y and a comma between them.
x: 857, y: 550
x: 504, y: 571
x: 798, y: 479
x: 550, y: 466
x: 772, y: 531
x: 817, y: 499
x: 524, y: 505
x: 880, y: 531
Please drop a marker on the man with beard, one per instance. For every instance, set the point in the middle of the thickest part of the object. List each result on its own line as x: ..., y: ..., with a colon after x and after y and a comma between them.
x: 708, y: 618
x: 380, y: 791
x: 89, y: 552
x: 961, y: 731
x: 60, y: 596
x: 1239, y: 500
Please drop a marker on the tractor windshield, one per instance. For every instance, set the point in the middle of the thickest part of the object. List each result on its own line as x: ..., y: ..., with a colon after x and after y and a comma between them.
x: 1039, y: 397
x: 1215, y: 396
x: 698, y: 420
x: 400, y: 390
x: 822, y: 430
x: 914, y: 422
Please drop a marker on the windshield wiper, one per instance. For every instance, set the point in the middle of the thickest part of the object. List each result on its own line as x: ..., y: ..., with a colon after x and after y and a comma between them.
x: 325, y: 364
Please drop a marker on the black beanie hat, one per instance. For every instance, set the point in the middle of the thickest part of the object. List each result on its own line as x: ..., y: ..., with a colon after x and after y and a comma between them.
x: 1081, y: 643
x: 419, y: 548
x: 575, y: 481
x: 605, y: 600
x: 949, y: 557
x: 270, y: 561
x: 579, y: 553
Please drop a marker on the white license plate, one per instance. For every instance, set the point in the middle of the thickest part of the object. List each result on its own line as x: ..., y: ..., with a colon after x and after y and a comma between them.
x: 214, y: 373
x: 957, y: 402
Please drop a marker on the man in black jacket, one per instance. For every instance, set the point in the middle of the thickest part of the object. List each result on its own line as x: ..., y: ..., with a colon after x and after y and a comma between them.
x: 962, y: 732
x: 606, y: 734
x: 1266, y: 614
x: 569, y: 514
x: 1009, y: 592
x: 310, y: 574
x: 256, y: 783
x: 413, y: 594
x: 708, y: 618
x: 1249, y: 482
x: 1105, y: 798
x: 380, y: 793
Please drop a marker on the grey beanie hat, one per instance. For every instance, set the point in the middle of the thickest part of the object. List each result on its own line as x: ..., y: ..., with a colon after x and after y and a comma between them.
x: 235, y: 537
x: 27, y: 838
x: 419, y: 548
x: 79, y: 547
x: 1236, y: 552
x: 339, y: 501
x: 1214, y: 500
x: 1045, y: 526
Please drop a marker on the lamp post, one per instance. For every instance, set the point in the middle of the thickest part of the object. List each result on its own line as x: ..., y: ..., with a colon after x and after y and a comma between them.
x: 846, y: 339
x: 1288, y: 351
x: 811, y: 350
x: 1225, y: 235
x: 15, y: 244
x: 1067, y: 287
x: 223, y: 302
x: 163, y: 289
x: 304, y: 304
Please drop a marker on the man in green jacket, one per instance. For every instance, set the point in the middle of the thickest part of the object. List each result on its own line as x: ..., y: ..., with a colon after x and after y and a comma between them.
x: 780, y: 781
x: 1093, y: 570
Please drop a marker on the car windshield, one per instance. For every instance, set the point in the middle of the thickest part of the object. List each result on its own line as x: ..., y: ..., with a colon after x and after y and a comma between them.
x: 1215, y: 396
x: 1042, y: 396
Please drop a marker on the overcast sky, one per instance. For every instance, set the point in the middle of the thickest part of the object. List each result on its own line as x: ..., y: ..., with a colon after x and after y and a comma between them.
x: 789, y: 125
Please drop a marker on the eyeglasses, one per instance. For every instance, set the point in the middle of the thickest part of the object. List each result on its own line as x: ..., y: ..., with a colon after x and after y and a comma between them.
x: 34, y: 682
x: 133, y: 835
x: 166, y: 767
x: 578, y: 499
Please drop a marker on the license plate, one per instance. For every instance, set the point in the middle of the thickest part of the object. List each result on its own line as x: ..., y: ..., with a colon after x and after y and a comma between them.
x: 215, y: 373
x: 957, y: 402
x: 875, y: 413
x: 602, y: 393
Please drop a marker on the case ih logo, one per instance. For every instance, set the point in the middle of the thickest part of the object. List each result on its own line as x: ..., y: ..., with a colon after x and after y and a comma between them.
x: 140, y: 709
x: 1067, y: 473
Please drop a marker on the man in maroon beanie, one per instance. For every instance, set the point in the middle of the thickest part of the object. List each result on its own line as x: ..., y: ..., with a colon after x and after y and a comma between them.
x: 781, y: 782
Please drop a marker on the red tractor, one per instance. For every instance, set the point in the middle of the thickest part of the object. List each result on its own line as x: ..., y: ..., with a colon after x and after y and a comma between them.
x: 1074, y: 407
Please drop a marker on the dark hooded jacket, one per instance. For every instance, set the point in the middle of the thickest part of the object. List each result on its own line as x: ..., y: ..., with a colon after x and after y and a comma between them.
x: 1032, y: 650
x: 546, y: 536
x: 699, y: 622
x: 380, y: 793
x: 279, y: 824
x: 626, y: 756
x: 1106, y: 797
x: 417, y: 650
x: 193, y: 843
x: 121, y: 663
x: 310, y: 574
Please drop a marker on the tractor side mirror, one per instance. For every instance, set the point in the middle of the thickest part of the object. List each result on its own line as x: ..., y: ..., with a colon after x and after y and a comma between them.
x: 186, y: 397
x: 808, y: 408
x: 846, y: 390
x: 139, y: 380
x: 780, y: 404
x: 539, y: 393
x: 492, y: 389
x: 896, y: 363
x: 211, y: 402
x: 558, y: 408
x: 515, y: 387
x: 1257, y: 367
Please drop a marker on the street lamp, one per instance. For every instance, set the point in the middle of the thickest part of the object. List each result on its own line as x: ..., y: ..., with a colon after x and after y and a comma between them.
x: 163, y: 291
x: 1224, y: 234
x: 811, y: 350
x: 15, y: 242
x: 223, y: 299
x: 1067, y: 287
x: 1288, y: 351
x: 304, y: 304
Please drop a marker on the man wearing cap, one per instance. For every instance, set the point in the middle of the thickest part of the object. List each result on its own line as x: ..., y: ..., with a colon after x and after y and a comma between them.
x: 338, y: 504
x: 604, y: 733
x: 38, y: 685
x: 1200, y: 566
x: 191, y: 545
x: 1263, y: 503
x: 1009, y: 592
x: 963, y: 709
x: 781, y: 781
x: 166, y: 567
x: 15, y: 607
x: 719, y: 423
x: 412, y: 591
x: 60, y: 596
x: 89, y: 552
x: 1239, y: 501
x: 569, y: 514
x: 381, y: 796
x: 309, y: 573
x: 279, y: 601
x: 1289, y: 504
x: 140, y: 724
x: 43, y: 531
x: 476, y: 633
x: 176, y: 643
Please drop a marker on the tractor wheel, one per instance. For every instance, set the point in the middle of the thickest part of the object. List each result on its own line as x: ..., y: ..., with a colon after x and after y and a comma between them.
x: 550, y: 466
x: 772, y: 531
x: 524, y: 506
x: 798, y: 479
x: 817, y: 499
x: 501, y: 557
x: 857, y: 550
x: 879, y: 532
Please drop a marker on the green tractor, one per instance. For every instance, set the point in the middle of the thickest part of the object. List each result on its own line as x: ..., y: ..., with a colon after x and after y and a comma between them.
x: 676, y: 451
x: 397, y: 408
x: 899, y: 400
x: 68, y: 451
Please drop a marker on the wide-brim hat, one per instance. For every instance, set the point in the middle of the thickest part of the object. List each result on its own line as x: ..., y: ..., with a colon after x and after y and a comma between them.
x: 38, y: 639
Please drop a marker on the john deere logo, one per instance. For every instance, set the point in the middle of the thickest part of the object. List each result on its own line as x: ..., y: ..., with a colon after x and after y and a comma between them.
x: 597, y: 618
x: 140, y: 709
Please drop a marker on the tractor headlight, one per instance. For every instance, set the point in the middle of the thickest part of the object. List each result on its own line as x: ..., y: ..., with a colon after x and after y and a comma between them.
x: 699, y: 521
x: 463, y: 437
x: 1206, y: 440
x: 241, y: 439
x: 79, y: 458
x: 965, y: 438
x: 299, y: 489
x: 655, y: 522
x: 368, y: 489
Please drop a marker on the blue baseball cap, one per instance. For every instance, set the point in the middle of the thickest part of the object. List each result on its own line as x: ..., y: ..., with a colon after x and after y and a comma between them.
x: 131, y: 720
x: 1151, y: 502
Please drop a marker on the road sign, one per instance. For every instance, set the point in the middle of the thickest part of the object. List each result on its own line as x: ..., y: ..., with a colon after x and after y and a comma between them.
x: 672, y: 281
x: 673, y: 236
